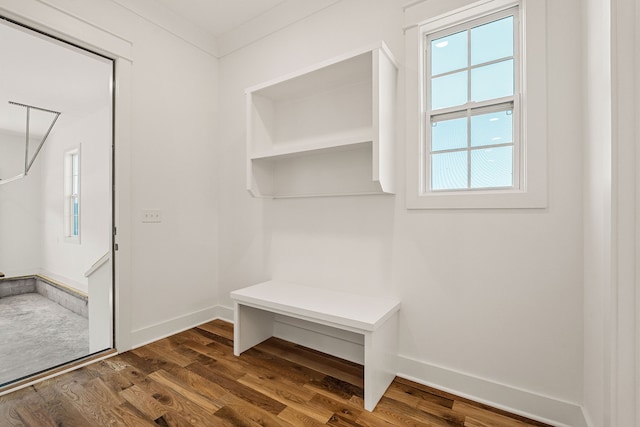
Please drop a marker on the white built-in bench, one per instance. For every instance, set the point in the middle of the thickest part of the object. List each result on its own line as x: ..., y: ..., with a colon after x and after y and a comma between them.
x: 375, y: 318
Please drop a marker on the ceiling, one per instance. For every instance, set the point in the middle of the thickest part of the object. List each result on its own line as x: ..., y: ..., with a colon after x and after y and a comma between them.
x: 219, y: 16
x: 39, y: 71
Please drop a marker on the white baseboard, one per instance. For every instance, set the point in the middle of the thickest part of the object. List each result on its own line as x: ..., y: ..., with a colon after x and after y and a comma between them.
x: 225, y: 313
x: 521, y: 402
x: 149, y: 334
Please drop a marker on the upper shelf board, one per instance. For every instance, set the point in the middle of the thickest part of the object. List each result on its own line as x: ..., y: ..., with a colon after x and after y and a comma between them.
x: 341, y: 70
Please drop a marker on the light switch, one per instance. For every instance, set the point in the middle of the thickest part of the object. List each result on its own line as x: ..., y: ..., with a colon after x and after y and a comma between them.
x: 151, y: 216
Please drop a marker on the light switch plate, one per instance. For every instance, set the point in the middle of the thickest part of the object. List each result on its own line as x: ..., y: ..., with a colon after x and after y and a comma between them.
x: 151, y: 216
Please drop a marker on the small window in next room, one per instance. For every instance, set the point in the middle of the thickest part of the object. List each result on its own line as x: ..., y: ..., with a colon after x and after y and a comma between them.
x: 72, y: 195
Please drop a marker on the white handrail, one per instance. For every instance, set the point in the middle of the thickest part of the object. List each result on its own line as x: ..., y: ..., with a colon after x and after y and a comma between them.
x: 99, y: 263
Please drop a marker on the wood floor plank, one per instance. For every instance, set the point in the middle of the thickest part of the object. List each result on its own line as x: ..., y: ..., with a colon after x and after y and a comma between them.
x: 334, y: 387
x: 239, y: 412
x: 35, y: 417
x: 193, y: 379
x: 334, y: 367
x: 179, y: 410
x: 8, y: 414
x: 65, y: 414
x: 174, y: 345
x: 222, y: 367
x: 413, y: 395
x: 230, y: 417
x: 166, y: 353
x: 143, y: 402
x: 369, y: 419
x: 111, y: 377
x: 93, y: 406
x: 284, y: 393
x: 394, y: 411
x: 132, y: 417
x: 343, y: 408
x: 488, y: 417
x: 209, y: 350
x: 297, y: 418
x: 218, y: 327
x: 291, y: 370
x: 33, y: 411
x: 167, y: 380
x: 192, y: 335
x: 239, y: 390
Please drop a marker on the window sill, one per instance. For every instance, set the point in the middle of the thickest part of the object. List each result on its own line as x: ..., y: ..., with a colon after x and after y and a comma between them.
x: 508, y: 199
x: 72, y: 240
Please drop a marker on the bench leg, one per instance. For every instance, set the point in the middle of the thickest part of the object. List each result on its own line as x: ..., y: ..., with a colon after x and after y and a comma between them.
x: 380, y: 360
x: 251, y: 327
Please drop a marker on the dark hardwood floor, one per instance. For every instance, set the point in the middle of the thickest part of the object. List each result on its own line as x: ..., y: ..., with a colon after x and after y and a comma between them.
x: 193, y: 379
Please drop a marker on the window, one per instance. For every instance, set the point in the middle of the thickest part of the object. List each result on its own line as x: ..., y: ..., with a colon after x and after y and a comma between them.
x: 472, y: 115
x: 478, y: 139
x: 72, y: 195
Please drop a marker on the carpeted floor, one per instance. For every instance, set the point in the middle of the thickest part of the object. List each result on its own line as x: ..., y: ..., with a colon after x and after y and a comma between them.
x: 37, y: 334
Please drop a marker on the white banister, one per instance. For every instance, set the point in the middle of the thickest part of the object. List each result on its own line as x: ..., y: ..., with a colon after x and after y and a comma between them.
x: 100, y: 309
x: 99, y: 263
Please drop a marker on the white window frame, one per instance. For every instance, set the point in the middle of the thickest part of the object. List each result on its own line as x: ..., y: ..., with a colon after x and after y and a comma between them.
x: 70, y: 196
x: 530, y: 165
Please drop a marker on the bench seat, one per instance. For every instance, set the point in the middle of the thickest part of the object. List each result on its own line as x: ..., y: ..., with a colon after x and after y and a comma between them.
x: 375, y: 318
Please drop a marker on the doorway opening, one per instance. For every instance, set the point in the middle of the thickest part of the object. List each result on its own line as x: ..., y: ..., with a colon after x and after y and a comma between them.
x: 56, y: 203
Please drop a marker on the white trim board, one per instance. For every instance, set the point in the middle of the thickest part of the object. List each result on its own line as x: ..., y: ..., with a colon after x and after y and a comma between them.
x: 56, y: 21
x: 517, y: 401
x: 158, y: 331
x: 158, y: 15
x: 286, y: 13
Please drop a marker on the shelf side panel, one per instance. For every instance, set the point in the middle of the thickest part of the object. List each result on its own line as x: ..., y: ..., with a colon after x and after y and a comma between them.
x: 384, y: 112
x: 261, y: 120
x: 262, y: 177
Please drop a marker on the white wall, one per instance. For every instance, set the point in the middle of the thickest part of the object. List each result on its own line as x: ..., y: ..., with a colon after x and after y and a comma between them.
x: 68, y: 261
x: 20, y: 207
x: 173, y: 170
x: 489, y: 294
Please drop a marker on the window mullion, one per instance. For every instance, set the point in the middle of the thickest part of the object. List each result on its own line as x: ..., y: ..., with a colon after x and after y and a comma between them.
x: 468, y: 109
x: 468, y: 148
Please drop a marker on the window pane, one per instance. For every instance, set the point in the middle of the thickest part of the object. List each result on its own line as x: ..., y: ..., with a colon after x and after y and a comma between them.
x: 74, y: 161
x: 449, y: 90
x: 492, y: 41
x: 492, y: 128
x: 492, y: 167
x: 76, y: 211
x: 449, y: 134
x: 449, y: 53
x: 492, y: 81
x: 449, y: 170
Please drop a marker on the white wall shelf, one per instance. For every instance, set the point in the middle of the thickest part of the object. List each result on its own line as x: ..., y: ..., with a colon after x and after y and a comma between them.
x: 325, y: 130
